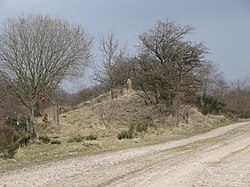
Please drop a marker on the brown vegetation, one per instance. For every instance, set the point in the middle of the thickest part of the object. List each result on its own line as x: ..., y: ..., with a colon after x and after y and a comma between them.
x: 155, y: 91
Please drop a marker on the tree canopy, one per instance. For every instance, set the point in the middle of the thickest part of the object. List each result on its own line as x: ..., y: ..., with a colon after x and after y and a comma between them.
x: 167, y: 64
x: 38, y: 52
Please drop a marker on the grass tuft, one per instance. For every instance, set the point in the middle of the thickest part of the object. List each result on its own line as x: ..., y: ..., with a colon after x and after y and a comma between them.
x: 80, y: 138
x: 44, y: 139
x: 55, y: 142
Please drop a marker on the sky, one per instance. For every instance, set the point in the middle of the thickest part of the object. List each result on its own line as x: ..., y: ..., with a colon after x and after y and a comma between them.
x: 222, y: 25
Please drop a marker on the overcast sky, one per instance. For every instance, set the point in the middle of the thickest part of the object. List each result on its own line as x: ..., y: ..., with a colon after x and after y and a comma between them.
x: 223, y: 25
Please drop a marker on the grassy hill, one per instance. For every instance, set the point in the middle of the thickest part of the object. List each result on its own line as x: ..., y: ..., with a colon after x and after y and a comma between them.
x: 104, y: 117
x: 92, y: 127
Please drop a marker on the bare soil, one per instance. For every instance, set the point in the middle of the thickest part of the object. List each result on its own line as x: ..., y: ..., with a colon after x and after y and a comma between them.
x: 217, y: 158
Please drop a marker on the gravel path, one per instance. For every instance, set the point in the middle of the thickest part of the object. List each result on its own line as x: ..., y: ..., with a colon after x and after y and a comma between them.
x: 148, y: 166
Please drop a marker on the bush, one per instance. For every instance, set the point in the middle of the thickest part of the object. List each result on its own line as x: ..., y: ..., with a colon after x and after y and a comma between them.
x: 133, y: 129
x: 77, y: 138
x: 9, y: 141
x: 13, y: 135
x: 244, y: 114
x: 141, y: 127
x: 90, y: 137
x: 55, y: 142
x: 22, y: 125
x: 208, y: 104
x: 80, y: 138
x: 44, y: 139
x: 125, y: 135
x: 24, y: 138
x: 11, y: 122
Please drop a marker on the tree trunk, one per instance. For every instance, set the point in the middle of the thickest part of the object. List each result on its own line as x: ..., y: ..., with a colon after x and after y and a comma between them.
x: 57, y: 109
x: 54, y: 110
x: 32, y: 119
x: 57, y: 114
x: 112, y: 94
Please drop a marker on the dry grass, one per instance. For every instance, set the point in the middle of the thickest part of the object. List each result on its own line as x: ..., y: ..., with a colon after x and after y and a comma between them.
x: 105, y: 118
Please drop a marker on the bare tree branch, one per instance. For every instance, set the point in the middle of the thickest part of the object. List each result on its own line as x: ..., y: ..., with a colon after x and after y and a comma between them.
x: 167, y: 64
x: 38, y: 52
x: 109, y: 73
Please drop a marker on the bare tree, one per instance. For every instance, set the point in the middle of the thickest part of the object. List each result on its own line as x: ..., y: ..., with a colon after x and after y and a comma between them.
x: 212, y: 81
x: 109, y: 72
x: 38, y: 52
x: 238, y: 97
x: 168, y: 65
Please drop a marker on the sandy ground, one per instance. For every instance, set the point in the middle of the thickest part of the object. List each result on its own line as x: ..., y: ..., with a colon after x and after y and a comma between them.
x: 223, y: 163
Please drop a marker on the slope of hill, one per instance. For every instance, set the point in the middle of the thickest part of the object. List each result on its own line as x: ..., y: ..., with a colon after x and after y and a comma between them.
x: 104, y: 117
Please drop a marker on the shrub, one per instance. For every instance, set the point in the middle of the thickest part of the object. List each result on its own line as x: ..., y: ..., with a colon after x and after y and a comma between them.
x: 22, y: 125
x: 141, y: 127
x: 127, y: 134
x: 33, y: 136
x: 124, y: 135
x: 55, y: 142
x: 90, y: 137
x: 11, y: 122
x: 44, y: 139
x: 244, y: 114
x: 13, y: 135
x: 80, y: 138
x: 9, y: 141
x: 208, y: 104
x: 132, y: 130
x: 77, y: 138
x: 24, y: 138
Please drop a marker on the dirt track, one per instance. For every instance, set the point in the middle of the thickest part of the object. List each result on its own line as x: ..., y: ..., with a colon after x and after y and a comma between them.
x: 215, y: 163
